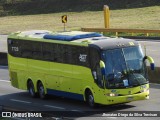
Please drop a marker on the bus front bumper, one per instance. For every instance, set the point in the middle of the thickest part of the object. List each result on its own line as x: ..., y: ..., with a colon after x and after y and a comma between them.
x: 127, y: 98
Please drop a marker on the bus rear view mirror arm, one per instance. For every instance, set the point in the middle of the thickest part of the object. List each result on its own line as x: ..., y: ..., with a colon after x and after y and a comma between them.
x: 151, y: 61
x: 102, y: 66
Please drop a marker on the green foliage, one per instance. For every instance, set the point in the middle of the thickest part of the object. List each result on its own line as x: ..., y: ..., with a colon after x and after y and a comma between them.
x: 17, y: 7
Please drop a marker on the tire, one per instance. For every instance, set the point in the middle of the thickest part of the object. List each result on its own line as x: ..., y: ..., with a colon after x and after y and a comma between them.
x: 31, y: 89
x: 90, y: 99
x: 41, y: 90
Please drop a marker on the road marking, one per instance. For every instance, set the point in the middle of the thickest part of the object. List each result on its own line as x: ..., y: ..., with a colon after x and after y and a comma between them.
x: 154, y: 84
x: 112, y: 117
x: 20, y: 101
x: 3, y: 66
x: 5, y: 81
x: 54, y: 107
x: 77, y: 111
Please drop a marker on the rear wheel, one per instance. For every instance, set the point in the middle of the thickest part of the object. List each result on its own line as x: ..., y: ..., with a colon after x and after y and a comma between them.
x: 31, y: 89
x: 41, y: 91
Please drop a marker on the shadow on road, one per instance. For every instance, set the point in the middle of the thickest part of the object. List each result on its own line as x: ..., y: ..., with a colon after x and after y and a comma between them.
x: 72, y: 108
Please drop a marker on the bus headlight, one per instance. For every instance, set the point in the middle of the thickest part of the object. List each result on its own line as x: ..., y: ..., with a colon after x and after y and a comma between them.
x: 144, y: 90
x: 112, y: 94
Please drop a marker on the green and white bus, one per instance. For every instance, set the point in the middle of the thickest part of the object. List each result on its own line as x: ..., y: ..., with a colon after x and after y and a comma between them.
x: 81, y: 65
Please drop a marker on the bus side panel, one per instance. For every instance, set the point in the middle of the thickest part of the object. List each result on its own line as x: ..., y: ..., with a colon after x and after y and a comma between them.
x: 37, y: 71
x: 52, y: 82
x: 84, y: 76
x: 64, y: 74
x: 18, y: 73
x: 80, y: 77
x: 62, y: 81
x: 22, y: 79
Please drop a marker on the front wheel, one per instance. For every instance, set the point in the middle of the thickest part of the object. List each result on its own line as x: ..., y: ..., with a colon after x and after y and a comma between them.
x: 90, y: 99
x: 41, y: 91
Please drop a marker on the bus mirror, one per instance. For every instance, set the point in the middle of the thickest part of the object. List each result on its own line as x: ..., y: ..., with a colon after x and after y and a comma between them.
x: 151, y: 61
x: 102, y: 66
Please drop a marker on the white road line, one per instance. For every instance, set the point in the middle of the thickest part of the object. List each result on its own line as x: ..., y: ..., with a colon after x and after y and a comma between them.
x: 77, y: 111
x: 5, y: 81
x: 54, y: 107
x: 112, y: 117
x: 3, y: 66
x: 154, y: 84
x: 20, y: 101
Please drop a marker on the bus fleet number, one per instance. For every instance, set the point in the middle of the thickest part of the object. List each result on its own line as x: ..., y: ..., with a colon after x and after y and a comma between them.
x: 15, y: 49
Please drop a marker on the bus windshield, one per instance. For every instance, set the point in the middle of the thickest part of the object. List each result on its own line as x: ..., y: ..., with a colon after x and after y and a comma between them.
x: 125, y: 67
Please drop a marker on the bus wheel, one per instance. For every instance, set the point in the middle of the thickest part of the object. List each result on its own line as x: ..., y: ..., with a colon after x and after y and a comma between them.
x: 31, y: 89
x: 90, y: 99
x: 41, y: 90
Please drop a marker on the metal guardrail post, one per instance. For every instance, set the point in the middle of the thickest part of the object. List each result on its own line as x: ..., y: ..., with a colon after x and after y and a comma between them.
x: 116, y: 34
x: 106, y: 16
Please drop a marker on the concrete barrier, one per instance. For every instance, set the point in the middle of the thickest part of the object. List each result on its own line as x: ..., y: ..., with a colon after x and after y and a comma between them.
x: 3, y: 59
x: 154, y: 76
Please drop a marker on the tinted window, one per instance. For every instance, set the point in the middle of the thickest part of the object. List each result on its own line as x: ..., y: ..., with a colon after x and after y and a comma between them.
x: 95, y: 66
x: 14, y: 47
x: 26, y: 49
x: 36, y: 50
x: 47, y: 51
x: 68, y: 54
x: 94, y: 58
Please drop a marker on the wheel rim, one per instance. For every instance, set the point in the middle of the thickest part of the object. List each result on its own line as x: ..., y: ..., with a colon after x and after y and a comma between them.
x: 91, y: 100
x: 31, y: 89
x: 41, y: 91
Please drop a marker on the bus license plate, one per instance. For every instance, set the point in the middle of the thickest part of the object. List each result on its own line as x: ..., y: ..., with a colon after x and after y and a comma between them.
x: 130, y: 98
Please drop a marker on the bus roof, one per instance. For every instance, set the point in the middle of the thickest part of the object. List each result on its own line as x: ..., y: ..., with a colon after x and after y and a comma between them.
x: 61, y: 36
x: 112, y: 43
x: 92, y: 39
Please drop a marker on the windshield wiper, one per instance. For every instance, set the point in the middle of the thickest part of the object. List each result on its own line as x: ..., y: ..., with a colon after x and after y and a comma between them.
x: 131, y: 72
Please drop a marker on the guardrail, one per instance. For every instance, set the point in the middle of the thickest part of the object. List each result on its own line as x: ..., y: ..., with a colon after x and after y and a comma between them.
x: 121, y: 30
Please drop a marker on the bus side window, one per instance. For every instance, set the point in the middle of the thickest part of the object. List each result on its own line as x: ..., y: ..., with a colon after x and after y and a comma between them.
x: 75, y: 56
x: 26, y: 49
x: 64, y: 53
x: 55, y: 52
x: 47, y: 51
x: 14, y: 48
x: 58, y: 53
x: 68, y: 59
x: 37, y: 50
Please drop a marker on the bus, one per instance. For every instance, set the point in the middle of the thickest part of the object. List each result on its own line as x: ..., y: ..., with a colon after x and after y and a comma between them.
x: 80, y: 65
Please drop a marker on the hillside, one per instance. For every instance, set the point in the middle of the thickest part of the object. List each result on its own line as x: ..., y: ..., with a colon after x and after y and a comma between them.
x: 137, y: 18
x: 26, y: 7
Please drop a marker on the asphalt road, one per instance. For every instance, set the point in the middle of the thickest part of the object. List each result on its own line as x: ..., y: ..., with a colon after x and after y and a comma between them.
x: 15, y: 99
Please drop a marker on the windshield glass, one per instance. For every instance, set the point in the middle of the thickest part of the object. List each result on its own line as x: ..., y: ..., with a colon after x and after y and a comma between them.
x: 124, y: 67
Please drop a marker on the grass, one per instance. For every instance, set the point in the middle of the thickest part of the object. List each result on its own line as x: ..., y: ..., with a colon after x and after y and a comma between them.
x: 140, y: 18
